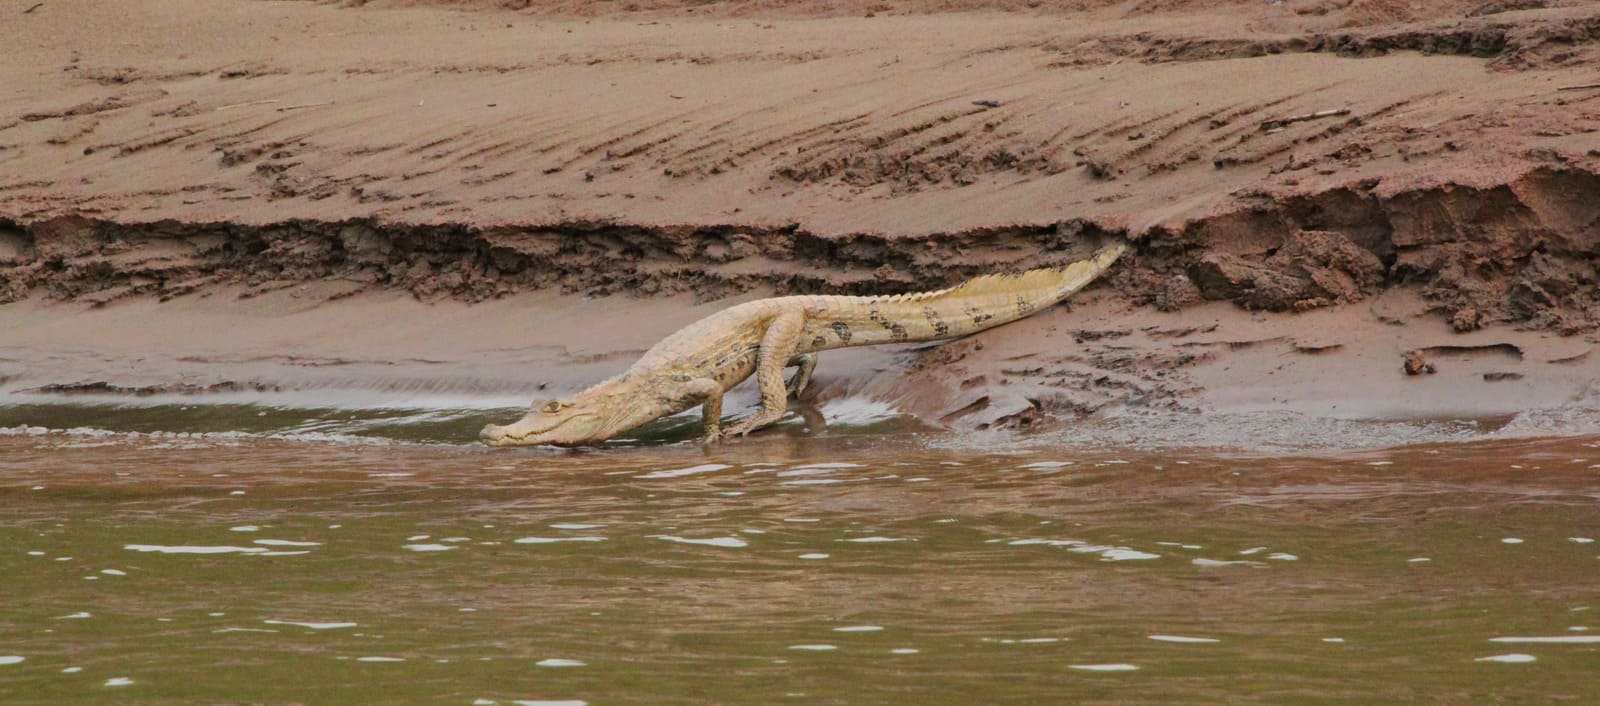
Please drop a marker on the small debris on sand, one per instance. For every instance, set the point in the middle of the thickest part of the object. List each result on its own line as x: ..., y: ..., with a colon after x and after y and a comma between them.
x: 1417, y: 364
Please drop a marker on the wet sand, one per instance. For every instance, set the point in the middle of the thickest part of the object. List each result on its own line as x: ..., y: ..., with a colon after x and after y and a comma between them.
x: 221, y: 199
x: 1096, y: 360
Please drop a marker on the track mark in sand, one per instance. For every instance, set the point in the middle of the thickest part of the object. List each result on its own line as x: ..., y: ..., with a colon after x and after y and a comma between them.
x: 506, y: 150
x: 1163, y: 136
x: 686, y: 156
x: 1141, y: 125
x: 237, y: 138
x: 124, y: 76
x: 1117, y: 128
x: 486, y: 179
x: 930, y: 103
x: 127, y: 148
x: 1062, y: 99
x: 1224, y: 130
x: 622, y: 153
x: 1255, y: 146
x: 72, y: 131
x: 1225, y: 127
x: 1246, y: 130
x: 419, y: 149
x: 950, y: 136
x: 481, y: 151
x: 206, y: 136
x: 739, y: 147
x: 1246, y: 143
x: 1390, y: 108
x: 714, y: 133
x: 833, y: 125
x: 494, y: 141
x: 960, y: 137
x: 420, y: 173
x: 467, y: 144
x: 103, y: 105
x: 604, y: 145
x: 820, y: 164
x: 369, y: 150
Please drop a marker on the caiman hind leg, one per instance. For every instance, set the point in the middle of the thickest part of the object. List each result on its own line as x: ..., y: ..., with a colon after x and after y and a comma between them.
x: 806, y: 362
x: 709, y: 392
x: 777, y: 349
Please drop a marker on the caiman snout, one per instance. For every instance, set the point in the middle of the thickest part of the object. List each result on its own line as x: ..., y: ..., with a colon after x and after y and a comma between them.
x: 553, y: 424
x: 493, y: 435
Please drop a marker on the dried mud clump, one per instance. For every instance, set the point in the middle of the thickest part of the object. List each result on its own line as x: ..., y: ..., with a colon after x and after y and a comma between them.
x: 1416, y: 363
x: 1313, y: 269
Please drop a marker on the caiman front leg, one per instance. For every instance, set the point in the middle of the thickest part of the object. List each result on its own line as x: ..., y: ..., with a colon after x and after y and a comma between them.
x: 709, y: 393
x: 806, y: 362
x: 777, y: 349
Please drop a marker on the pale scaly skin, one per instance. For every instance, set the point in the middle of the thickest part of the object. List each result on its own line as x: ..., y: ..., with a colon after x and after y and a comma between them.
x: 700, y: 362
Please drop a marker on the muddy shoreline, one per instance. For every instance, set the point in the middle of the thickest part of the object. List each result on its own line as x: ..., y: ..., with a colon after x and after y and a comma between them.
x: 1320, y: 201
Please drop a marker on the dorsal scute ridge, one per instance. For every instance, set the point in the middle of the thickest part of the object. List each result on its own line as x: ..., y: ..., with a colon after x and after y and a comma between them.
x: 1004, y: 282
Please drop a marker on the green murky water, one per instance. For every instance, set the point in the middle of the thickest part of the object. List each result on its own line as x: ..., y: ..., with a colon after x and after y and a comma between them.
x: 844, y: 568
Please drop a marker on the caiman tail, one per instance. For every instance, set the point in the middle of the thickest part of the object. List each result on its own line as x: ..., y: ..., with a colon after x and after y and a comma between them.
x: 977, y: 304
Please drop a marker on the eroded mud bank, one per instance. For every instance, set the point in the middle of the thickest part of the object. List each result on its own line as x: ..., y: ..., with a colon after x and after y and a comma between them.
x: 1524, y: 252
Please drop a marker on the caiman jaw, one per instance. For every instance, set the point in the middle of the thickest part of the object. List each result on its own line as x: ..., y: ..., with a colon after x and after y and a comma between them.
x: 572, y: 431
x: 496, y: 436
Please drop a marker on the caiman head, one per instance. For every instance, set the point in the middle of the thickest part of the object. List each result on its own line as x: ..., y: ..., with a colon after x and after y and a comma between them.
x: 553, y: 422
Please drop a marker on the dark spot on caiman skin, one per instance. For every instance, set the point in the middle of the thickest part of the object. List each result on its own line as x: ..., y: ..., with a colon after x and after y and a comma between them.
x: 896, y: 331
x: 842, y: 330
x: 681, y: 378
x: 940, y: 328
x: 1023, y: 306
x: 977, y: 317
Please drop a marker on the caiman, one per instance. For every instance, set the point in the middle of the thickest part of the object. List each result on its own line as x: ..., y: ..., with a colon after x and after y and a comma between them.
x: 700, y: 362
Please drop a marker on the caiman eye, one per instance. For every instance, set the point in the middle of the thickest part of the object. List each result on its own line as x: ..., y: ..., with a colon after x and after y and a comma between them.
x: 552, y: 406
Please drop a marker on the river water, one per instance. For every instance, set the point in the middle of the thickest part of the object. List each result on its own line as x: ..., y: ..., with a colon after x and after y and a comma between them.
x: 275, y: 556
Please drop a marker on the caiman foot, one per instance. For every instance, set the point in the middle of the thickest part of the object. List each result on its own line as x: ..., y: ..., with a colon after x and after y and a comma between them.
x: 806, y: 363
x: 760, y: 420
